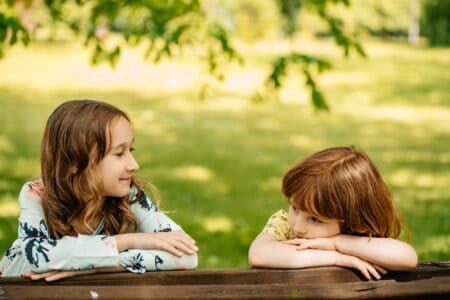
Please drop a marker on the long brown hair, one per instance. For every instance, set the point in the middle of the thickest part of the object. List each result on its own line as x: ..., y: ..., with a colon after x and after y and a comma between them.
x: 76, y: 139
x: 342, y: 183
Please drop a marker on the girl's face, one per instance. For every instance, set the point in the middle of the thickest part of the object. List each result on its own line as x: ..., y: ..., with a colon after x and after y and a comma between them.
x: 305, y: 225
x: 118, y: 166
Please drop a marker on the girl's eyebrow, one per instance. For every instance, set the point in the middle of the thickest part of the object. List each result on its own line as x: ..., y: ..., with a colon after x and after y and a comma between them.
x: 124, y: 144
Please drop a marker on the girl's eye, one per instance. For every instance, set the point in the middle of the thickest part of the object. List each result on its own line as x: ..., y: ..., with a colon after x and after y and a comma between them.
x: 315, y: 220
x: 293, y: 207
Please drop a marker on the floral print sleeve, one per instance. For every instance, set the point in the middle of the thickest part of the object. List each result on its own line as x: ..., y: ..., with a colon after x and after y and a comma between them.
x: 278, y: 226
x: 151, y: 219
x: 35, y: 250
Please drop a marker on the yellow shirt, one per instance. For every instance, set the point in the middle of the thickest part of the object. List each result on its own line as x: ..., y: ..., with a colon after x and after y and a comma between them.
x: 278, y: 226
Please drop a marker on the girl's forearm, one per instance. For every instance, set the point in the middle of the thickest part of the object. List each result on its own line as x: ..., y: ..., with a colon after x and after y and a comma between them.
x: 389, y: 253
x: 275, y: 254
x: 124, y: 241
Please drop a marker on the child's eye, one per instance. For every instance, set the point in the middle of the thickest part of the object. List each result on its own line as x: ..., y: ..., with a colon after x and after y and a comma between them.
x: 294, y: 208
x: 315, y: 220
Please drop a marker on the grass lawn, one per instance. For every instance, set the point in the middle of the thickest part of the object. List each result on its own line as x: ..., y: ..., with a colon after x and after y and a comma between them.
x: 218, y: 163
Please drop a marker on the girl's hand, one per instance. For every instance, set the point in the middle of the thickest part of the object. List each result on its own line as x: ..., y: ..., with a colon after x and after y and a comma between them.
x: 318, y: 243
x: 56, y: 275
x: 176, y: 242
x: 367, y: 269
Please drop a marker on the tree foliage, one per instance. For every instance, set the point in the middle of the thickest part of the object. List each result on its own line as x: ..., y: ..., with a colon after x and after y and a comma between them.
x: 435, y: 21
x: 166, y: 27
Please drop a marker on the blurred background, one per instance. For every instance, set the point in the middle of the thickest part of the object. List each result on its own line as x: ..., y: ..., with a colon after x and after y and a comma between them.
x: 226, y: 95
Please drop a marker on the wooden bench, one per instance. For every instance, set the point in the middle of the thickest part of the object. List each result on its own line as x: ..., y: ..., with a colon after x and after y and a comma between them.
x: 430, y: 280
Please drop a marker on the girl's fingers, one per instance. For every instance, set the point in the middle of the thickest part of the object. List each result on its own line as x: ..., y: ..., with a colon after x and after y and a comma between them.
x: 374, y: 272
x: 38, y: 276
x: 295, y: 241
x: 364, y: 271
x: 380, y: 269
x: 65, y: 274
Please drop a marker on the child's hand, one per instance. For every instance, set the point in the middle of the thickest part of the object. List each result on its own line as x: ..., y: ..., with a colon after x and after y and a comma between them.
x: 176, y: 242
x: 367, y: 269
x: 319, y: 243
x: 60, y: 274
x: 55, y: 275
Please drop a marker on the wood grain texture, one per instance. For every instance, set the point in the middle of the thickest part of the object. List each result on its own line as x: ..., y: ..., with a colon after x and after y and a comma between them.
x: 429, y: 280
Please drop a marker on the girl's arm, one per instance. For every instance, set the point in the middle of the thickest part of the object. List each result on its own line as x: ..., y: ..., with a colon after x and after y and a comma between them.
x: 159, y: 244
x: 57, y: 275
x: 388, y: 253
x: 42, y: 253
x: 266, y: 251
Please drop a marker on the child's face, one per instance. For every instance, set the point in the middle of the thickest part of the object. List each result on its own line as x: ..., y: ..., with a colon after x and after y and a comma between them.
x: 117, y: 167
x: 305, y: 225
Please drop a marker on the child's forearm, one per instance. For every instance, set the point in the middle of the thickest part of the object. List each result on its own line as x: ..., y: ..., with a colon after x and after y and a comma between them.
x: 389, y: 253
x: 274, y: 254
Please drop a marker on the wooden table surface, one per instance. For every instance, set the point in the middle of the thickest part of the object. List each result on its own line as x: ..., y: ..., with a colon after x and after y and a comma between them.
x: 430, y: 280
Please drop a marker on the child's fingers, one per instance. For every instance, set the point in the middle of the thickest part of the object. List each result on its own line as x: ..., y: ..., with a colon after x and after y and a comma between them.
x: 38, y: 276
x: 65, y: 274
x: 373, y: 272
x: 175, y: 247
x: 295, y: 241
x: 27, y: 274
x: 185, y: 243
x: 380, y: 269
x: 187, y: 248
x: 182, y: 233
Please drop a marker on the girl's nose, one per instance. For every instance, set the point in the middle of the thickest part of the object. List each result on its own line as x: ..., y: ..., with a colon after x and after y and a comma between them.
x: 133, y: 165
x: 299, y: 228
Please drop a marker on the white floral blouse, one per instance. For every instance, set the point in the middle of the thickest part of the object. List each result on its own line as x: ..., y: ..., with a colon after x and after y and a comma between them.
x: 35, y: 250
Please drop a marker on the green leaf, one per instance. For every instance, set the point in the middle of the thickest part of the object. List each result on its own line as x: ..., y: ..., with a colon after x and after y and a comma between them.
x: 318, y: 101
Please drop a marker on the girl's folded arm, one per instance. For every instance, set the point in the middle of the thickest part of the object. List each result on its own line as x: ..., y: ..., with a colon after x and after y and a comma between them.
x: 68, y: 253
x: 43, y: 253
x: 389, y: 253
x: 159, y: 242
x: 267, y: 252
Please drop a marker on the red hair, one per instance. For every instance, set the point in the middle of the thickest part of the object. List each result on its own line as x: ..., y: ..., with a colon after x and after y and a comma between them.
x: 342, y: 183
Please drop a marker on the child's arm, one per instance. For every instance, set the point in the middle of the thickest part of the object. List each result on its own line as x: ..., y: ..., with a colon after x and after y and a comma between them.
x: 42, y: 253
x: 84, y: 252
x: 266, y: 251
x: 388, y: 253
x: 57, y: 275
x: 159, y: 244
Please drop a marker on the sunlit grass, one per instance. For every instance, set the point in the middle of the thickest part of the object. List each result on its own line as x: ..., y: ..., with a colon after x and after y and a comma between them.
x: 218, y: 163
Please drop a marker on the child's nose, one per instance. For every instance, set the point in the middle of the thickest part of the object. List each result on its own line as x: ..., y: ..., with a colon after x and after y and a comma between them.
x: 133, y: 165
x: 299, y: 228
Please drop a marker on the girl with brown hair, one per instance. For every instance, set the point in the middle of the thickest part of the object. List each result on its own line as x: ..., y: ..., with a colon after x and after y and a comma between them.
x: 340, y: 213
x: 88, y: 213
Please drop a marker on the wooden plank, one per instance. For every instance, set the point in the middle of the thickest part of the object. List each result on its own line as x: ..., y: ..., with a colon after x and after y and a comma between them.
x: 239, y: 276
x: 433, y: 288
x: 428, y: 279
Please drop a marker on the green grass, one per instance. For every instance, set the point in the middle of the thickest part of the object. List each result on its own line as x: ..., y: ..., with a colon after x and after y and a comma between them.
x: 218, y: 163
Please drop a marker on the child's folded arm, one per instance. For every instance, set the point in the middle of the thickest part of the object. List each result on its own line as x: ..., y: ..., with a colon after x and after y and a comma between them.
x: 389, y: 253
x: 267, y: 252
